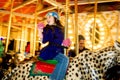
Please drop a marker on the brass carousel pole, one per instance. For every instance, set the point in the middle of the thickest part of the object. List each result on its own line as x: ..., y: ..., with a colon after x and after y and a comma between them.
x: 0, y: 28
x: 9, y: 26
x: 76, y: 27
x: 35, y: 29
x: 117, y: 34
x: 94, y: 27
x: 66, y: 24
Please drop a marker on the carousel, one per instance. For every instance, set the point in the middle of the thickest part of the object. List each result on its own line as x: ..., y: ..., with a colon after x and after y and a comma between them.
x: 97, y: 20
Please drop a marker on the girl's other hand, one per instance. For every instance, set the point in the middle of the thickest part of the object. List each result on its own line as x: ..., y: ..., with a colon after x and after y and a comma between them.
x: 66, y: 42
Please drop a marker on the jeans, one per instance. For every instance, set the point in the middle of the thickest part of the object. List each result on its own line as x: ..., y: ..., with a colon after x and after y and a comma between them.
x: 61, y: 67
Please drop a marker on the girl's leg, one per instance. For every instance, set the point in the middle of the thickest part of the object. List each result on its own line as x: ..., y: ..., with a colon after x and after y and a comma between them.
x: 61, y: 67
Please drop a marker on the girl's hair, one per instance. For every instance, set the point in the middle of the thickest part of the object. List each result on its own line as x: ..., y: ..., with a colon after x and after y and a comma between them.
x: 58, y: 23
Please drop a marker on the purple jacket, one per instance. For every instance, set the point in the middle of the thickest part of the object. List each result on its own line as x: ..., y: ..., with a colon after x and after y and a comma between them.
x: 54, y: 35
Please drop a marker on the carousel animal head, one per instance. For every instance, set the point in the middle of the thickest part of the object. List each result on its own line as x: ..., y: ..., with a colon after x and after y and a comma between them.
x: 113, y: 73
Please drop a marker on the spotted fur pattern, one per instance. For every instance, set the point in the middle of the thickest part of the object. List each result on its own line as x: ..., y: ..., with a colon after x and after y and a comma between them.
x: 86, y: 66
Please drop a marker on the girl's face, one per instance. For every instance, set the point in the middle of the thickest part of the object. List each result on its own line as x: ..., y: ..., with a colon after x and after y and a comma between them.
x: 50, y: 20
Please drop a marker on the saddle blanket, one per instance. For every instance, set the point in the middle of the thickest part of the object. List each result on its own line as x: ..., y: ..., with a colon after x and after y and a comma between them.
x: 42, y: 67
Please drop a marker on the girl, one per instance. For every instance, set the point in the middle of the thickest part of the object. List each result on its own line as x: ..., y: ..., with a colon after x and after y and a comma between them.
x: 53, y: 33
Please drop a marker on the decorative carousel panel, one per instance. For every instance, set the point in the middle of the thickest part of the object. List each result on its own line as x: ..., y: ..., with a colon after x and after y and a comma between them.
x: 106, y: 30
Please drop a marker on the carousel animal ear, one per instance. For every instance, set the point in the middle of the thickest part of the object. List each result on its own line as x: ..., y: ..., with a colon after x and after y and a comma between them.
x: 117, y: 42
x: 117, y: 45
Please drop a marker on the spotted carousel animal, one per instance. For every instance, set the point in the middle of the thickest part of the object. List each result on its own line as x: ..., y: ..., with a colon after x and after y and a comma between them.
x: 86, y: 66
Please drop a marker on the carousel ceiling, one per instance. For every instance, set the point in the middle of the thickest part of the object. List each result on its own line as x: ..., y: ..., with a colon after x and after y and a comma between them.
x: 27, y: 9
